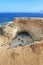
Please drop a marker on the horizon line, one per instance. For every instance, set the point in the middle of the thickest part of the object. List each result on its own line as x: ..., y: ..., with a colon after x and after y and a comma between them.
x: 21, y: 12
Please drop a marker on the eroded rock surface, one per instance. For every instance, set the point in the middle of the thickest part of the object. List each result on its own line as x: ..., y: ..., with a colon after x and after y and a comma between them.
x: 23, y: 55
x: 4, y: 41
x: 30, y: 54
x: 9, y: 30
x: 33, y: 26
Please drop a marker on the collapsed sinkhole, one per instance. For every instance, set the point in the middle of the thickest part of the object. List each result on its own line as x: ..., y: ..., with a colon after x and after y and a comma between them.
x: 22, y: 38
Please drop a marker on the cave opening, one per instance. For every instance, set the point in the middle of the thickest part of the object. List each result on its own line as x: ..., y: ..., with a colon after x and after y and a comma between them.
x: 22, y: 38
x: 23, y: 33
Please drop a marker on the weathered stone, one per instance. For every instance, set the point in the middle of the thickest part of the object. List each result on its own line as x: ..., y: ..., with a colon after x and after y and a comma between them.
x: 9, y: 31
x: 33, y: 26
x: 23, y: 55
x: 30, y: 54
x: 4, y: 41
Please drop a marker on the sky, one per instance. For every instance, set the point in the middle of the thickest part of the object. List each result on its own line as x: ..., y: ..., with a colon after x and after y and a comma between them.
x: 21, y: 5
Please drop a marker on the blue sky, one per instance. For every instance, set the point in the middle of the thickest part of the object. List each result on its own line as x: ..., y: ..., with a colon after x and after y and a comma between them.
x: 21, y: 5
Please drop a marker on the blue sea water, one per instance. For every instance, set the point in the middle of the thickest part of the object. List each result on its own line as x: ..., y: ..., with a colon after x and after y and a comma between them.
x: 6, y: 17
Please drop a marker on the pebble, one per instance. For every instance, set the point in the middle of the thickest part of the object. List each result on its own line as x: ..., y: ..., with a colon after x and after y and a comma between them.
x: 20, y: 44
x: 22, y: 41
x: 19, y: 39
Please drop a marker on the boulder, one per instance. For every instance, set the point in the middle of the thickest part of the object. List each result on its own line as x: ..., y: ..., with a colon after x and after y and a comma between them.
x: 9, y: 31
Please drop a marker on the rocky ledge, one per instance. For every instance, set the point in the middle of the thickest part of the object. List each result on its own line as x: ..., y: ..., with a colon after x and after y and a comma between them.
x: 29, y: 54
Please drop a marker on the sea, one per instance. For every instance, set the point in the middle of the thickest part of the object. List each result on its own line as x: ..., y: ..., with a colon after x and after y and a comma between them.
x: 9, y: 17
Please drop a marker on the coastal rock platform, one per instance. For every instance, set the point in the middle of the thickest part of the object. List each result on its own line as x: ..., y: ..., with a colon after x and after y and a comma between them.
x: 31, y: 51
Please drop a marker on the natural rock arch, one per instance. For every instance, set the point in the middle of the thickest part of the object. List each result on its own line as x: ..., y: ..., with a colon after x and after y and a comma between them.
x: 32, y: 26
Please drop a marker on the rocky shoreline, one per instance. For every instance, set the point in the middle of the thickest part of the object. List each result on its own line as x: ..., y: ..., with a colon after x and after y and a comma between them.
x: 29, y: 54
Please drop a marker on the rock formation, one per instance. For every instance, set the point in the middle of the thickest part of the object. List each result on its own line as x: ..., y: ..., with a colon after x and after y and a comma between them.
x: 30, y: 54
x: 33, y: 26
x: 4, y: 41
